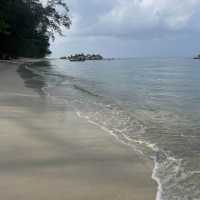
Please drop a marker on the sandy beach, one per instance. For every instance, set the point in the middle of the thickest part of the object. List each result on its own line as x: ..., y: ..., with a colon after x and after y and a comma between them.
x: 50, y: 153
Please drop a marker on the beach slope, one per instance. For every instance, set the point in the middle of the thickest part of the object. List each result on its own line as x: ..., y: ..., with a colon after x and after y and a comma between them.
x: 50, y: 153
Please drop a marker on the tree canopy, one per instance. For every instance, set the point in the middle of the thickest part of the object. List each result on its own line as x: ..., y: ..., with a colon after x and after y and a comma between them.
x: 26, y: 26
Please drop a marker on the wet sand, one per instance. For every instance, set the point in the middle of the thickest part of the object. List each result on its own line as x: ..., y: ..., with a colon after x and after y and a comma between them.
x: 48, y: 152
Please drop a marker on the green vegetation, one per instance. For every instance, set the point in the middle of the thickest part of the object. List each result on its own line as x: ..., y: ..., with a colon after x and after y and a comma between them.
x: 83, y: 57
x: 26, y: 26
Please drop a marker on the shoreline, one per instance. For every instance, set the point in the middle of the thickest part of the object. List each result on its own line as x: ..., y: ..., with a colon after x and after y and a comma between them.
x: 57, y: 155
x: 152, y: 163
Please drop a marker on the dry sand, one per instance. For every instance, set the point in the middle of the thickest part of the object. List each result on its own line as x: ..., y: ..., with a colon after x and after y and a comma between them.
x: 50, y: 154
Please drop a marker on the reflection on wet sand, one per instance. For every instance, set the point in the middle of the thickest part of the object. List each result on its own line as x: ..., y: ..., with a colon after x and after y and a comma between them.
x: 33, y: 80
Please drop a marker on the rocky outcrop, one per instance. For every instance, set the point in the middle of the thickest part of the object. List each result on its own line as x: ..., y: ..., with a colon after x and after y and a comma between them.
x: 94, y: 57
x: 197, y: 57
x: 83, y: 57
x: 77, y: 57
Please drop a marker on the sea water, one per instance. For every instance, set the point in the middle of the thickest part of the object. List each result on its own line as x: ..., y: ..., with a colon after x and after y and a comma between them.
x: 150, y: 104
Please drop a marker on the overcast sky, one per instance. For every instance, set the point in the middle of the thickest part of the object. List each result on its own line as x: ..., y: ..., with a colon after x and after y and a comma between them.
x: 132, y: 28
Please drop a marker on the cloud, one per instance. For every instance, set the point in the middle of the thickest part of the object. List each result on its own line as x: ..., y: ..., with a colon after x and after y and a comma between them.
x: 132, y: 28
x: 137, y: 19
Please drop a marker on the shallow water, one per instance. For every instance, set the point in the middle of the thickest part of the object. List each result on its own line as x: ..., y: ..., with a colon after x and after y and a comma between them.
x: 153, y: 105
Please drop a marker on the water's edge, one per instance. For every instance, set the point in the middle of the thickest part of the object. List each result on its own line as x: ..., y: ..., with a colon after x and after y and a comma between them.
x: 126, y: 140
x: 154, y: 139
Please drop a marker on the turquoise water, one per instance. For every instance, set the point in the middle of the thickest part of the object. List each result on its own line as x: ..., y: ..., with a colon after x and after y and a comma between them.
x: 153, y: 105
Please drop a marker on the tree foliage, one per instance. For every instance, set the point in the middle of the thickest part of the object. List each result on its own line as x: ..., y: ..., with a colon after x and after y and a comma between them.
x: 26, y: 26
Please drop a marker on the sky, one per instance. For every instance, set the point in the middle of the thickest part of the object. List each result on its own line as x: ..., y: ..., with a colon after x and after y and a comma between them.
x: 131, y: 28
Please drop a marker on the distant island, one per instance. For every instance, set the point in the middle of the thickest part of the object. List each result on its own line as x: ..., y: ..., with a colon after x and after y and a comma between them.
x: 82, y: 57
x: 197, y: 57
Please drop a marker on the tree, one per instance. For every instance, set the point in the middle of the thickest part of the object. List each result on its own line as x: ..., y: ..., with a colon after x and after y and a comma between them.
x: 26, y: 26
x: 3, y: 26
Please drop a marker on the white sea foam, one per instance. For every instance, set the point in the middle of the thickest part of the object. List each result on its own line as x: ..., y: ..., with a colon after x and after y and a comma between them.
x: 158, y: 181
x: 17, y: 94
x: 141, y: 142
x: 100, y: 126
x: 170, y: 162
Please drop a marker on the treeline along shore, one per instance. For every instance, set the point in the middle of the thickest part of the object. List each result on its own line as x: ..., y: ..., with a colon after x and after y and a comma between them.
x: 26, y: 26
